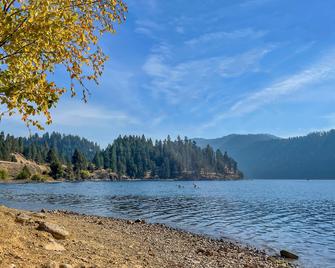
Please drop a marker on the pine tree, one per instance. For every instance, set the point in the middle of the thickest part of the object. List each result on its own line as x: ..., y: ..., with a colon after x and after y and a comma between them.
x: 98, y: 160
x: 51, y: 156
x: 56, y: 169
x: 78, y: 161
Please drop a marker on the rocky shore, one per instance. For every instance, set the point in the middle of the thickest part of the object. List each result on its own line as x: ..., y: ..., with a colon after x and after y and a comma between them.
x: 58, y: 239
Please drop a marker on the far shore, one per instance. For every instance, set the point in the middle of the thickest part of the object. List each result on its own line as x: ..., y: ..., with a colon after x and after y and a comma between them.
x: 15, y: 181
x: 93, y: 241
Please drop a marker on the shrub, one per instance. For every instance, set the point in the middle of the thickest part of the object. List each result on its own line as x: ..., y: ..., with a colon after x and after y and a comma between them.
x: 69, y: 174
x: 39, y: 178
x: 84, y: 174
x: 3, y: 174
x: 24, y: 174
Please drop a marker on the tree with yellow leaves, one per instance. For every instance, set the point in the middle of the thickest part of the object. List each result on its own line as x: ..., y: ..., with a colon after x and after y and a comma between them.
x: 38, y: 35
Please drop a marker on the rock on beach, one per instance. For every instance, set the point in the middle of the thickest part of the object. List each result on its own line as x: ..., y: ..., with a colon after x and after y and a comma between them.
x: 288, y: 255
x: 56, y: 231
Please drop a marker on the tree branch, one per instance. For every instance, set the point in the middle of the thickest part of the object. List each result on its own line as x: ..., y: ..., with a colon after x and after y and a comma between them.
x: 17, y: 51
x: 4, y: 41
x: 7, y: 7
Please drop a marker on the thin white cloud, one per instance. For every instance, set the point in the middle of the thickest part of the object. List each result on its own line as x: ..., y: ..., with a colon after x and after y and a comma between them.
x: 75, y: 113
x: 222, y: 35
x: 246, y: 62
x: 147, y: 27
x: 188, y: 80
x: 320, y: 71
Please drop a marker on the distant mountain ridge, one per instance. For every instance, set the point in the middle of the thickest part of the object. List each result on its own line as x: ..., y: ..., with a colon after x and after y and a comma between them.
x: 264, y: 156
x: 233, y: 142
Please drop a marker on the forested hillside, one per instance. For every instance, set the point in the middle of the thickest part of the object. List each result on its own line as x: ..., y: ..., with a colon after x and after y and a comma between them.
x: 36, y: 147
x: 132, y: 156
x: 270, y: 157
x: 135, y: 156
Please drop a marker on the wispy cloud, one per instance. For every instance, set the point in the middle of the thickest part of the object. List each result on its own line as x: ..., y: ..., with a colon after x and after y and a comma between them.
x: 147, y: 27
x: 320, y: 71
x: 188, y: 80
x: 75, y: 113
x: 243, y: 63
x: 222, y: 35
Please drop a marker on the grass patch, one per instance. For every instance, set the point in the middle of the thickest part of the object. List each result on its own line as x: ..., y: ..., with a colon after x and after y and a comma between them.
x: 39, y: 178
x: 3, y: 174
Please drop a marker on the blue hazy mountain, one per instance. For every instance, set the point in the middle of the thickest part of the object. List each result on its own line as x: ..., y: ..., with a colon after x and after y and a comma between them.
x: 264, y: 156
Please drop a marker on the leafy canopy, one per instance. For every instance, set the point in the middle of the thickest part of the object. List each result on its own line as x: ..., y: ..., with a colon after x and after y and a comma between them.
x: 38, y: 35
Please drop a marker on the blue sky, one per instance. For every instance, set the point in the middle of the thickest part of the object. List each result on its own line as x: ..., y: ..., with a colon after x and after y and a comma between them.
x: 207, y: 69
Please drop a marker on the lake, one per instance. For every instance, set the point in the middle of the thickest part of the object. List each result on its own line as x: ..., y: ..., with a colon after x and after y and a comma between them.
x: 297, y: 215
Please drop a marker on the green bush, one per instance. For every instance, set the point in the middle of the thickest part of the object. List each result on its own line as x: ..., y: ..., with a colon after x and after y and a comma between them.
x: 69, y: 174
x: 39, y: 178
x: 3, y: 174
x: 85, y: 174
x: 24, y: 174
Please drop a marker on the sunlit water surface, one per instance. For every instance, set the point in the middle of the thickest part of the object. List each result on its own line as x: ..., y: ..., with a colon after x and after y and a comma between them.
x: 296, y: 215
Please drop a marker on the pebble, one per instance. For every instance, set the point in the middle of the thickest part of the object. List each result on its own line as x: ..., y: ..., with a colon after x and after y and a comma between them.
x: 23, y: 219
x: 204, y: 252
x: 65, y: 265
x: 289, y: 255
x: 39, y: 215
x: 54, y: 246
x: 140, y: 221
x: 51, y: 264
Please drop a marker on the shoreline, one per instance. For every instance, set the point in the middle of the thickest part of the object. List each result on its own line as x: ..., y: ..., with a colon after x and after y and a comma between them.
x: 14, y: 181
x: 96, y: 241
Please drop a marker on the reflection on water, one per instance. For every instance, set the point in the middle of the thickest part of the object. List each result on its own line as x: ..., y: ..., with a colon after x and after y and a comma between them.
x: 295, y: 215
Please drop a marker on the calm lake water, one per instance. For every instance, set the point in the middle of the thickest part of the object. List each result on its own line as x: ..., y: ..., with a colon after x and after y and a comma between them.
x: 297, y: 215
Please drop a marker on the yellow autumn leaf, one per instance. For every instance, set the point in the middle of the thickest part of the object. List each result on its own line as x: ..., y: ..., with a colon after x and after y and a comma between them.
x: 37, y: 35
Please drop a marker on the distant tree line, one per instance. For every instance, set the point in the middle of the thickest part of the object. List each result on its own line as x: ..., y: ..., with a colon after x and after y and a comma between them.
x: 132, y: 156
